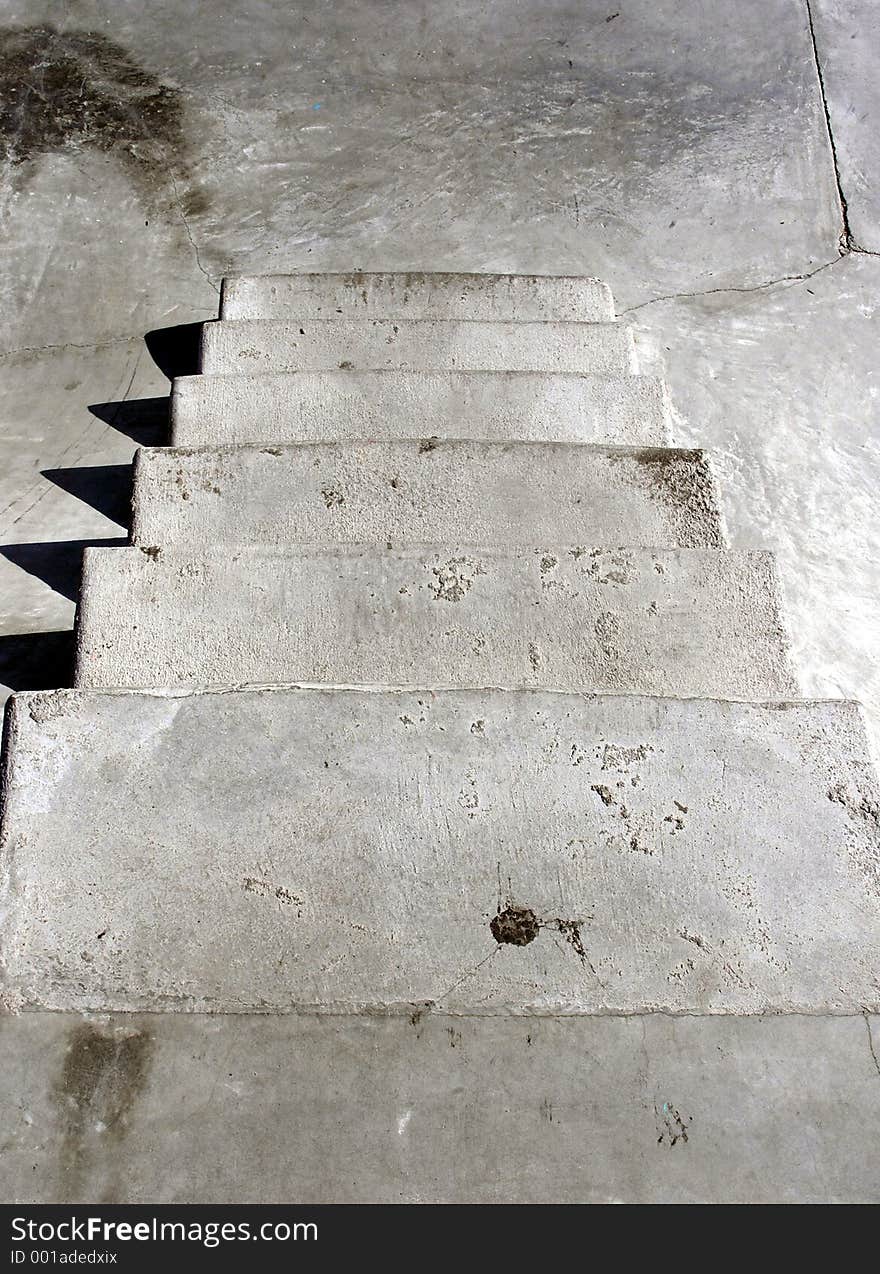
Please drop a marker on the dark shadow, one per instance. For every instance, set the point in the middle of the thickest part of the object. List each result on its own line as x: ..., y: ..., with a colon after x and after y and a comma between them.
x: 105, y: 487
x: 36, y: 661
x: 175, y: 350
x: 144, y: 420
x: 59, y: 565
x: 43, y: 661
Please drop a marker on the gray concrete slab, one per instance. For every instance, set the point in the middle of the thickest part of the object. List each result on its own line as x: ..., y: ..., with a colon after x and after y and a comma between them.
x: 648, y: 621
x: 482, y: 851
x: 323, y: 406
x: 433, y: 492
x: 419, y: 295
x: 166, y: 1108
x: 422, y: 345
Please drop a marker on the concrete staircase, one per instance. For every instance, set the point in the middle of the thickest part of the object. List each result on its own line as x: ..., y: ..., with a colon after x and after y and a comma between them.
x: 434, y: 817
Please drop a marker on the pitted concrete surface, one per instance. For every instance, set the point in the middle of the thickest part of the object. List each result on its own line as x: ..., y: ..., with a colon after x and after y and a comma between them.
x: 322, y: 406
x: 423, y: 345
x: 607, y: 1109
x: 431, y: 492
x: 691, y: 622
x: 505, y: 297
x: 482, y: 851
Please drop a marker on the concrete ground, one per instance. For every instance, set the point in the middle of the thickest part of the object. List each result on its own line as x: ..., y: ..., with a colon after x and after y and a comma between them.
x: 257, y: 1108
x: 679, y: 150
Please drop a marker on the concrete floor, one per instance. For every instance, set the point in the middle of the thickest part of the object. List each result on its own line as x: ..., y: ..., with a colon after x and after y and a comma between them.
x: 679, y: 150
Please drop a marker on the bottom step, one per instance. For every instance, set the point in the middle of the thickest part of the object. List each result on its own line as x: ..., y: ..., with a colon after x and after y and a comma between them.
x: 479, y: 851
x: 261, y: 1109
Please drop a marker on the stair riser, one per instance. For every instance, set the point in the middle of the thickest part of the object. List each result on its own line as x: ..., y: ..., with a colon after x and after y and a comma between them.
x: 255, y: 348
x: 693, y: 622
x: 365, y: 1109
x: 323, y: 406
x: 515, y: 298
x: 486, y: 494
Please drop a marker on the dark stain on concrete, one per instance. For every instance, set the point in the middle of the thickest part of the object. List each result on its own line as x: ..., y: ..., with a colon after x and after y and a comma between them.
x: 63, y: 90
x: 104, y: 1072
x: 332, y: 497
x: 672, y: 1127
x: 571, y: 932
x: 516, y: 925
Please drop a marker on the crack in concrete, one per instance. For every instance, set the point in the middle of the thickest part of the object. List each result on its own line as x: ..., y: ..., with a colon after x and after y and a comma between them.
x: 871, y: 1044
x: 846, y: 241
x: 195, y: 247
x: 48, y: 349
x: 847, y: 245
x: 754, y: 287
x: 465, y: 976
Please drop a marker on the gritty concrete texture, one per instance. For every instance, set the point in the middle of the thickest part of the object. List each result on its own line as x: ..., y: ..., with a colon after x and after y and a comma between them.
x: 687, y: 622
x: 323, y: 406
x: 422, y: 345
x: 505, y: 297
x: 430, y: 492
x: 482, y: 851
x: 680, y: 150
x: 340, y: 1109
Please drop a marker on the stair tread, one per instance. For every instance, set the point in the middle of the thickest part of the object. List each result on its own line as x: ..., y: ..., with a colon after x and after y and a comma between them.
x: 421, y: 345
x: 354, y: 849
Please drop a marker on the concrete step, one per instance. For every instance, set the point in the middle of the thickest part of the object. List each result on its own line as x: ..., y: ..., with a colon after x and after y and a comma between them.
x: 364, y: 1109
x: 420, y: 295
x: 423, y: 345
x: 324, y: 406
x: 492, y: 494
x: 486, y: 852
x: 685, y: 622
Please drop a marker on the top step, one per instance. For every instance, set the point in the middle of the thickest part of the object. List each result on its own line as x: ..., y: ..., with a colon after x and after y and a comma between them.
x: 510, y: 297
